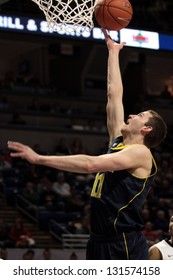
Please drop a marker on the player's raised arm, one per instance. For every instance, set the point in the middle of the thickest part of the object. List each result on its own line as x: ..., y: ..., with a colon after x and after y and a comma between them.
x: 115, y: 110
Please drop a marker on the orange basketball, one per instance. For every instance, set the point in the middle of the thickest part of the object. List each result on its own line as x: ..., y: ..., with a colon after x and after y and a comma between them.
x: 113, y: 14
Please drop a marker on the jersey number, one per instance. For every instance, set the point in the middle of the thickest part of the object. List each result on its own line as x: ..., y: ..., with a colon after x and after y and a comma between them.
x: 97, y: 187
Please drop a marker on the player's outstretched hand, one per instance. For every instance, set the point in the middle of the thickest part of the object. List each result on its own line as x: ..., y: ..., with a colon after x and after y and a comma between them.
x: 22, y: 151
x: 110, y: 43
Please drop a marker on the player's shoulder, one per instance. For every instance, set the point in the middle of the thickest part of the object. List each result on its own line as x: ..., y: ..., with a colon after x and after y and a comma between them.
x: 139, y: 149
x: 154, y: 253
x: 140, y: 153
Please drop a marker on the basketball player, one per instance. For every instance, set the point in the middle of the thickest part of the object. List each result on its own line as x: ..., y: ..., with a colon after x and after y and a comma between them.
x: 163, y: 250
x: 124, y: 174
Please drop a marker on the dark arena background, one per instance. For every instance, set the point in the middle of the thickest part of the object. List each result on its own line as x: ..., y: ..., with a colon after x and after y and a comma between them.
x: 52, y: 97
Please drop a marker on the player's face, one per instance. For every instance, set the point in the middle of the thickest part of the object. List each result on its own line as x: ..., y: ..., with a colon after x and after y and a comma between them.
x: 136, y: 122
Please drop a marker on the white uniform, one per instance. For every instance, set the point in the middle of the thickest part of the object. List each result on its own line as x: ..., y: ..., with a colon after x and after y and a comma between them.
x: 166, y: 249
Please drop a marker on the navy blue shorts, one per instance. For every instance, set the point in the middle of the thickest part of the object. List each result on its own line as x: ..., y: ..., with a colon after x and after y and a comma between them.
x: 124, y: 246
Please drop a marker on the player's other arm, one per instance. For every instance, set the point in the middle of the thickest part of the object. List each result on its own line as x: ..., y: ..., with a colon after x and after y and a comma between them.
x: 115, y: 110
x: 154, y: 253
x: 125, y: 159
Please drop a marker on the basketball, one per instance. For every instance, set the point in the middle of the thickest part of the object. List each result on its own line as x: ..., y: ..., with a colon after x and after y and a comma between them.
x: 113, y: 14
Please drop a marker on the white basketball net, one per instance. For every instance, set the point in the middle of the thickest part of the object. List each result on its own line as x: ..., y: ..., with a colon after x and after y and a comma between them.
x: 68, y: 14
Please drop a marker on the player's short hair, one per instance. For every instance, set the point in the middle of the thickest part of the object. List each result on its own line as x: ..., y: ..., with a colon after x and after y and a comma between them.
x: 159, y: 131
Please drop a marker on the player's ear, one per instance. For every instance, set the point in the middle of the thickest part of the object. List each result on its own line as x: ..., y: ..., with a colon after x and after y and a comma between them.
x: 146, y: 129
